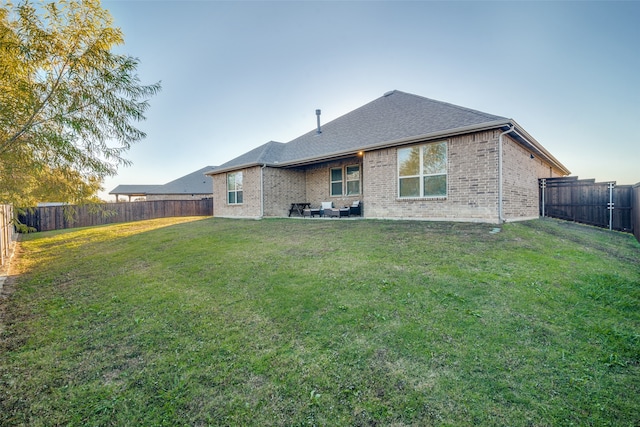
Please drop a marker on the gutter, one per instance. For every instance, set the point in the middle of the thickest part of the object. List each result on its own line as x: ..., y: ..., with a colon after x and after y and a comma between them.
x: 539, y: 149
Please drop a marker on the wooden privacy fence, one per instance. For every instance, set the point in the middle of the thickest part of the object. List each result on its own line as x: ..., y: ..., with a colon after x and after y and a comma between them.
x: 59, y: 217
x: 6, y: 232
x: 635, y: 210
x: 602, y: 204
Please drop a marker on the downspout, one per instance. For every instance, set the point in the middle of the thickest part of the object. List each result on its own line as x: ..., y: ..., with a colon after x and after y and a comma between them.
x: 264, y: 165
x: 500, y: 213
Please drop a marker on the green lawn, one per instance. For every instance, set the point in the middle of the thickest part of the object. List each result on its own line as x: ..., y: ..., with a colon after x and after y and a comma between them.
x: 289, y: 322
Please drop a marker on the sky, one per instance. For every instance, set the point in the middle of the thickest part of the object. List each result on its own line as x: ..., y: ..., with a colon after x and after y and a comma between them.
x: 237, y: 74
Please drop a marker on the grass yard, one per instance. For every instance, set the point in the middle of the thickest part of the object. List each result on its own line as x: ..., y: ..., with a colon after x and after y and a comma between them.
x: 286, y: 322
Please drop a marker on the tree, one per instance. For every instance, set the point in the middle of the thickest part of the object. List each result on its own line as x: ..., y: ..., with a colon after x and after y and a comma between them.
x: 68, y: 102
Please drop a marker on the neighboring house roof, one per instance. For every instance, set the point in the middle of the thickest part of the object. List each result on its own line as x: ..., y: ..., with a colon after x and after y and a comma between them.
x: 194, y: 183
x: 395, y: 118
x: 133, y: 190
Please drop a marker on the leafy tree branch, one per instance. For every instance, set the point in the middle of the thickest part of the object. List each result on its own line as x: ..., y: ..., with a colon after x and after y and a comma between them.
x: 69, y: 104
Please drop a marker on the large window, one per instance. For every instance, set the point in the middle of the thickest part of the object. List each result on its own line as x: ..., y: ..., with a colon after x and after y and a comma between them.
x: 234, y: 188
x: 345, y: 180
x: 422, y: 170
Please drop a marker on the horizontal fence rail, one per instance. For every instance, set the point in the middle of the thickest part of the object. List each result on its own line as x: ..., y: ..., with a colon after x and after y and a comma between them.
x: 46, y: 218
x: 602, y: 204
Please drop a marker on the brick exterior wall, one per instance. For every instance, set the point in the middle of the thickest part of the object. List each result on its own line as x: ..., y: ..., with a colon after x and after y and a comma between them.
x: 281, y: 188
x: 520, y: 193
x: 319, y: 183
x: 472, y: 185
x: 251, y: 205
x: 472, y: 182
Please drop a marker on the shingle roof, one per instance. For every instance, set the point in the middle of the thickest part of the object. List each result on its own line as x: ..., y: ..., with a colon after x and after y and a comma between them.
x: 267, y: 153
x: 393, y: 117
x: 194, y: 183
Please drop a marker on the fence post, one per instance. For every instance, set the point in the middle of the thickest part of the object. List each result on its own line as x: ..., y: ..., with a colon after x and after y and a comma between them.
x: 543, y: 185
x: 610, y: 205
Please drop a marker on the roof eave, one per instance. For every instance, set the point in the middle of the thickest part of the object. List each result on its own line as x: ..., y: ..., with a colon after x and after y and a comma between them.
x: 539, y: 149
x: 242, y: 166
x: 127, y: 193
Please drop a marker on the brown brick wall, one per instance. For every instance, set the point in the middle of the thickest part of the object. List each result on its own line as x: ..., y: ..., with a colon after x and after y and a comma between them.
x: 471, y: 183
x: 251, y: 205
x: 318, y: 183
x: 520, y: 174
x: 283, y: 187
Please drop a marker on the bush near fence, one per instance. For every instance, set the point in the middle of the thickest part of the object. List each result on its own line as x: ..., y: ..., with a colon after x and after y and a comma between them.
x: 48, y: 218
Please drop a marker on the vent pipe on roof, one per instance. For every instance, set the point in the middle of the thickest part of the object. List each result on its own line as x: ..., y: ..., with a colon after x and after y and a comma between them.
x: 318, y: 119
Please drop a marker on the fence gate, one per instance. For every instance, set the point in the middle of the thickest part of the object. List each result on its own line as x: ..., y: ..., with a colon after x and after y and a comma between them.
x: 602, y: 204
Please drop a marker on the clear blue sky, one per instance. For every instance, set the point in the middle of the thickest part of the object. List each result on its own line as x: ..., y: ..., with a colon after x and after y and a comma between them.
x: 238, y: 74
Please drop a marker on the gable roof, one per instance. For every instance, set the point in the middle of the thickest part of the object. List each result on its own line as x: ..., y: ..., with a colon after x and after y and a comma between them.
x: 394, y: 118
x: 194, y: 183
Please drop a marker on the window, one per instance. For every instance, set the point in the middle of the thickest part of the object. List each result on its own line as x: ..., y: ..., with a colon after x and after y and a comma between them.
x: 336, y: 182
x: 345, y: 180
x: 353, y: 180
x: 234, y: 188
x: 422, y: 171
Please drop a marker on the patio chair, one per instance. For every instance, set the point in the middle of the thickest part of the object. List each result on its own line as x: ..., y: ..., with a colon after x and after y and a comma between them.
x: 356, y: 208
x: 324, y: 206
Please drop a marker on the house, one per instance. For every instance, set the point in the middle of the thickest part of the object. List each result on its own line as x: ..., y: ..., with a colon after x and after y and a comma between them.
x: 194, y: 186
x: 404, y: 157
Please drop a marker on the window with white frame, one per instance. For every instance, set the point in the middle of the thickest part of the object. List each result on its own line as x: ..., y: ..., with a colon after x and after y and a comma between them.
x: 345, y: 180
x: 234, y: 188
x: 422, y: 171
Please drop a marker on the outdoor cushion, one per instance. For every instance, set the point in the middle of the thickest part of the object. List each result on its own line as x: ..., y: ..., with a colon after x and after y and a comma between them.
x: 327, y: 205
